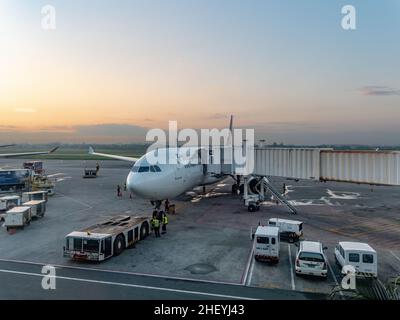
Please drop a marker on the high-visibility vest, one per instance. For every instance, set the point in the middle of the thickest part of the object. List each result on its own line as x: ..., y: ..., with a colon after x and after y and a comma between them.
x: 165, y: 220
x: 156, y: 223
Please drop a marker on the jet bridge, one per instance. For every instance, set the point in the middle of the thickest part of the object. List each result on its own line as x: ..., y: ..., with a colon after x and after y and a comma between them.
x: 319, y: 164
x: 367, y: 167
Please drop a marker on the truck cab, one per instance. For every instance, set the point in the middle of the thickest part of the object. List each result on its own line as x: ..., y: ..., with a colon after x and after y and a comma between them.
x: 266, y: 246
x: 88, y: 246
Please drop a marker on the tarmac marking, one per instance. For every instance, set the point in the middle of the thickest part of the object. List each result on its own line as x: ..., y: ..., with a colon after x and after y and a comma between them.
x: 123, y: 272
x: 246, y: 270
x: 248, y: 283
x: 334, y: 277
x: 132, y: 285
x: 77, y: 201
x: 394, y: 255
x: 291, y: 268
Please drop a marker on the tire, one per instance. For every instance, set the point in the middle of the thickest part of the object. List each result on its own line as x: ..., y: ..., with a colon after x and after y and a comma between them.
x: 144, y: 231
x: 234, y: 189
x: 119, y: 245
x: 337, y: 262
x: 251, y: 208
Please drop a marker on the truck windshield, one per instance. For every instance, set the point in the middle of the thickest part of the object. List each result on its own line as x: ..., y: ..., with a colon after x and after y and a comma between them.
x: 311, y: 256
x: 262, y: 240
x: 90, y: 245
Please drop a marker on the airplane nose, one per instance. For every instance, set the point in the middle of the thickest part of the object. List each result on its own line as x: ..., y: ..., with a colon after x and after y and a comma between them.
x: 133, y: 182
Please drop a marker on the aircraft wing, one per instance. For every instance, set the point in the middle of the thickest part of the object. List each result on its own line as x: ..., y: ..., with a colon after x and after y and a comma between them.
x: 112, y: 156
x: 7, y: 145
x: 10, y: 155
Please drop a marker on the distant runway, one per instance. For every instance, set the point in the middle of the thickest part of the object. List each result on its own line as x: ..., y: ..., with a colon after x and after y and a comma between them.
x: 23, y: 281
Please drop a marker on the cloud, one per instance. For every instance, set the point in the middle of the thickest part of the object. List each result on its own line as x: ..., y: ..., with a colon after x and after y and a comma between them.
x: 114, y: 130
x: 379, y: 91
x: 25, y: 110
x: 100, y: 133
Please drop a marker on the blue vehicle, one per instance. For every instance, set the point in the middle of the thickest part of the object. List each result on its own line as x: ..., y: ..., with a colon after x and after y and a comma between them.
x: 14, y: 179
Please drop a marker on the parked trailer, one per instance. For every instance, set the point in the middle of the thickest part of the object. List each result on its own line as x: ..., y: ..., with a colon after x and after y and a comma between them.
x: 18, y: 217
x: 13, y: 180
x: 36, y: 166
x: 106, y: 239
x: 290, y: 230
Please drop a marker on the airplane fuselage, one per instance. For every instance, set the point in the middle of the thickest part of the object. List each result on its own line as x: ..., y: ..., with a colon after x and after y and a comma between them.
x: 166, y: 181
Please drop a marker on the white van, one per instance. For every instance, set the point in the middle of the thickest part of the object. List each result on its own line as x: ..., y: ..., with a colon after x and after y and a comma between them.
x: 290, y: 230
x: 359, y: 255
x: 266, y: 247
x: 311, y: 260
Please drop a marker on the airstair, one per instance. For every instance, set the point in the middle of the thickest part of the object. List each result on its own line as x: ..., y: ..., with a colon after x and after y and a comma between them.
x: 280, y: 197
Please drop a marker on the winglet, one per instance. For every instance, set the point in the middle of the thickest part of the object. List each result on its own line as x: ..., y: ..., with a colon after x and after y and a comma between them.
x: 53, y: 150
x: 91, y: 150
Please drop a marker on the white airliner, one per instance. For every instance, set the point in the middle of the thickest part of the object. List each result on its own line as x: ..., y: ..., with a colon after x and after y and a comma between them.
x: 21, y: 154
x: 166, y: 181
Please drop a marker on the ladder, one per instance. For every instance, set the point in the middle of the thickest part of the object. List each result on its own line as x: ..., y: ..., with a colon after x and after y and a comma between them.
x: 281, y: 198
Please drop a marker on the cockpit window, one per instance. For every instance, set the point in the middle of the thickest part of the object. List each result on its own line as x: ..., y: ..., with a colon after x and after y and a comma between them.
x: 146, y: 169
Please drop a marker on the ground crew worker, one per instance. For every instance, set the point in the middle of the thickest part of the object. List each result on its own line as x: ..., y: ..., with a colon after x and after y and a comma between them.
x: 119, y: 194
x: 164, y: 223
x: 156, y: 227
x: 166, y: 205
x: 97, y: 167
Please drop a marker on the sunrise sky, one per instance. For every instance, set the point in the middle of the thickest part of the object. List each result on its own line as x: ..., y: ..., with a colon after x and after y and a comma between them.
x: 112, y: 69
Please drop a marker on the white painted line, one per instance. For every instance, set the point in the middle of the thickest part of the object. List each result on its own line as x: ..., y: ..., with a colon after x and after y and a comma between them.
x: 249, y: 261
x: 394, y: 255
x: 122, y: 272
x: 132, y: 285
x: 291, y: 268
x: 334, y: 277
x: 248, y: 283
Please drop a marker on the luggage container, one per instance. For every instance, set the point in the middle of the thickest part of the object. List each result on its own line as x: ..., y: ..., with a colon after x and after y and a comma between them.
x: 18, y: 217
x: 8, y: 202
x: 89, y: 173
x: 38, y: 208
x: 35, y: 195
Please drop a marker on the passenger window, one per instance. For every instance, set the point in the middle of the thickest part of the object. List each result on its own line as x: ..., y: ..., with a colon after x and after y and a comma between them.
x: 273, y: 240
x: 354, y: 257
x: 368, y: 258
